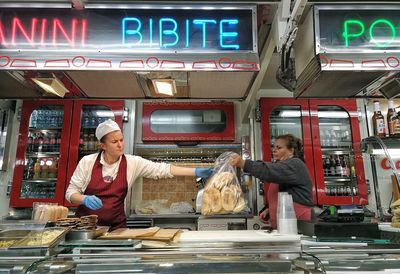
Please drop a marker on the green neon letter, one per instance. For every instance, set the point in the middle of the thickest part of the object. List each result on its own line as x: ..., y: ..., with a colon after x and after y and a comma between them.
x: 388, y: 40
x: 347, y: 35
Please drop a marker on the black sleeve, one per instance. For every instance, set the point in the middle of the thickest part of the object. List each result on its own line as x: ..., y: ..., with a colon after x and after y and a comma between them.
x: 280, y: 173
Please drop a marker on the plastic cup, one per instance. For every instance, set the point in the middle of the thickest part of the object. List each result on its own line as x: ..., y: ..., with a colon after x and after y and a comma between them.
x: 287, y: 221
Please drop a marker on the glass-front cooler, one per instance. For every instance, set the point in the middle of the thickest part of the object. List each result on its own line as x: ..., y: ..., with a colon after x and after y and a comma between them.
x: 53, y: 137
x: 88, y: 114
x: 42, y: 153
x: 286, y: 116
x: 338, y: 159
x: 330, y: 133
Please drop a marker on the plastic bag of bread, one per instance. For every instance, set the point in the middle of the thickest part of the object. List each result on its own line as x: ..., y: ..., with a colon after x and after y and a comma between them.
x: 48, y: 212
x: 222, y: 193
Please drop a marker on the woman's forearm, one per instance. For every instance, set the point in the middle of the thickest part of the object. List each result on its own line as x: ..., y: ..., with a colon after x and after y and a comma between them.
x: 77, y: 198
x: 182, y: 171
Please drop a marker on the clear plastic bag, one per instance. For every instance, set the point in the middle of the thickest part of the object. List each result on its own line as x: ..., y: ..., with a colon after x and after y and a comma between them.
x: 222, y: 193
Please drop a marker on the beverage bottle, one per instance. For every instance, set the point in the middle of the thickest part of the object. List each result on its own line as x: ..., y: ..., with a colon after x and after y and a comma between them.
x: 85, y: 142
x: 52, y: 142
x: 33, y: 119
x: 36, y: 169
x: 396, y: 124
x: 391, y: 118
x: 338, y: 167
x: 334, y: 139
x: 53, y: 169
x: 326, y: 167
x: 58, y: 141
x: 332, y: 166
x: 81, y: 142
x: 40, y: 142
x: 30, y: 142
x: 378, y: 121
x: 328, y: 141
x: 345, y: 167
x: 46, y: 142
x: 44, y: 172
x: 91, y: 142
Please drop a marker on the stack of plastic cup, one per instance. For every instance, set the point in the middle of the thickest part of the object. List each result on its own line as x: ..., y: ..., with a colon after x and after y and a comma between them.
x: 287, y: 221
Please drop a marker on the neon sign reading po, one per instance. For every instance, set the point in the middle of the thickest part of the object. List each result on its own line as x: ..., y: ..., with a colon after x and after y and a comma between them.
x: 380, y: 32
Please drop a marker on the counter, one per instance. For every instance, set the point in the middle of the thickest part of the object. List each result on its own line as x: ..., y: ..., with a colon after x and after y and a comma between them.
x: 208, y: 252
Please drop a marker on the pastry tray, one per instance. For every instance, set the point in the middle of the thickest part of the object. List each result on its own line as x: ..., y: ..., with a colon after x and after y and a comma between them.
x: 39, y: 238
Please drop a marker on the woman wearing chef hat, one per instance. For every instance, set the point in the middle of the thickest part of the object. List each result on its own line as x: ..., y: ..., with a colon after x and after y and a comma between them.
x: 101, y: 181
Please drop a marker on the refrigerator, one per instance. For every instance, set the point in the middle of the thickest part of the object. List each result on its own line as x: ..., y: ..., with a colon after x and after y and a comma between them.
x: 53, y: 136
x: 329, y: 130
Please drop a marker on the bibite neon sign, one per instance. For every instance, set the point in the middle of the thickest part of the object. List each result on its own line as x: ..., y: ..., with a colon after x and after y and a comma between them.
x: 168, y: 29
x: 356, y: 29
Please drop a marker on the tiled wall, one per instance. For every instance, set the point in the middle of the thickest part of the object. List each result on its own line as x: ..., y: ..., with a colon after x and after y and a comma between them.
x: 178, y: 189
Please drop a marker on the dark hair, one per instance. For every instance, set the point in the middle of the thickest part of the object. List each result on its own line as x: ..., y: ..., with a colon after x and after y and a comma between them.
x: 293, y: 142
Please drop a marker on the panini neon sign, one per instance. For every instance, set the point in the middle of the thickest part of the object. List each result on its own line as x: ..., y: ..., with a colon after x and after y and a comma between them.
x: 37, y: 33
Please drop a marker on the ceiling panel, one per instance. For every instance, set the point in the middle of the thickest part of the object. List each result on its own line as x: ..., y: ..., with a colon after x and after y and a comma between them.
x: 211, y: 84
x: 107, y: 84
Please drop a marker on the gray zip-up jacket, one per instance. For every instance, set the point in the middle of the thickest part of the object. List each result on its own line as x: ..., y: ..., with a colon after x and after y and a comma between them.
x: 291, y: 175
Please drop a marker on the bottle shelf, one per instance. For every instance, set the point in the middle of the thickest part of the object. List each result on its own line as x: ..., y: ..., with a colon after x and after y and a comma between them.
x: 336, y: 150
x: 87, y: 152
x: 338, y: 179
x: 41, y: 181
x: 42, y: 154
x: 55, y: 129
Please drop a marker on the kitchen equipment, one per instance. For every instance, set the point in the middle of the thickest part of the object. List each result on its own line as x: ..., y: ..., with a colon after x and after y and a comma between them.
x: 199, y: 200
x: 86, y: 234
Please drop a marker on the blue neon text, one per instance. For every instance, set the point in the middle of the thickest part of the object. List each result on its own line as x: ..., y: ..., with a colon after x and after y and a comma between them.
x: 171, y: 33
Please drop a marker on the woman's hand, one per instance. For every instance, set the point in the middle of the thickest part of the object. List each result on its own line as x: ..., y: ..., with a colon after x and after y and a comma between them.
x: 264, y: 216
x: 236, y: 160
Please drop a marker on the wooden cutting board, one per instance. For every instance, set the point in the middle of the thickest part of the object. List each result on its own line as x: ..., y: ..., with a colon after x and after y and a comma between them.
x: 125, y: 233
x: 161, y: 235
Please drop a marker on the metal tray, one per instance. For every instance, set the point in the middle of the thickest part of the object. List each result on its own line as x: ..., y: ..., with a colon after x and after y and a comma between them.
x: 10, y: 237
x: 38, y: 238
x: 75, y: 234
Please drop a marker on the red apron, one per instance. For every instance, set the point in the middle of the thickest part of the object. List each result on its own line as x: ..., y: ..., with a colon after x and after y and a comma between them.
x: 111, y: 194
x: 302, y: 212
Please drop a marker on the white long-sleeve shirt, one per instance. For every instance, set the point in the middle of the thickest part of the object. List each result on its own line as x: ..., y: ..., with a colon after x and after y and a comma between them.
x: 136, y: 167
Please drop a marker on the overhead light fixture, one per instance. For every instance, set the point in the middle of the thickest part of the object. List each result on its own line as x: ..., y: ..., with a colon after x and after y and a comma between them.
x: 51, y: 85
x: 164, y: 86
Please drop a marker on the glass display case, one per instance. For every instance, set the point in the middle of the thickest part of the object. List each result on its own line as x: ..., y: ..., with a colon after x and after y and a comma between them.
x: 383, y: 154
x: 49, y: 147
x: 330, y: 134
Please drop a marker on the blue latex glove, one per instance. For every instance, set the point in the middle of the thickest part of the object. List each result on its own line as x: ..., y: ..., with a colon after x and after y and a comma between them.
x: 92, y: 202
x: 203, y: 172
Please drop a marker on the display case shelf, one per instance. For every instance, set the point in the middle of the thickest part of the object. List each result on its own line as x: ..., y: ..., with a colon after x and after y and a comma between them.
x: 337, y: 179
x: 42, y: 154
x: 45, y: 129
x: 336, y: 150
x: 41, y: 181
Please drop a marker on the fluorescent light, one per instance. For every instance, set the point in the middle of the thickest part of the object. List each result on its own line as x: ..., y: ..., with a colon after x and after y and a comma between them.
x: 51, y: 85
x: 333, y: 114
x: 164, y: 86
x: 392, y: 152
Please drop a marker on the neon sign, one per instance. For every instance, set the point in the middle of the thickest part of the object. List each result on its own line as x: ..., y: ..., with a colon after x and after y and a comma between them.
x: 359, y: 29
x: 128, y: 30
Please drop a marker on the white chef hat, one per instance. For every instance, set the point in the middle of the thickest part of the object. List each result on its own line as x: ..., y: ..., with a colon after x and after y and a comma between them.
x: 105, y: 128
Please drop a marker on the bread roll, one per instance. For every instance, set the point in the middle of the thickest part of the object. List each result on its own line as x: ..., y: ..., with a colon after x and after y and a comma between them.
x: 395, y: 204
x: 211, y: 201
x: 64, y: 212
x: 228, y: 198
x: 223, y: 179
x: 240, y: 205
